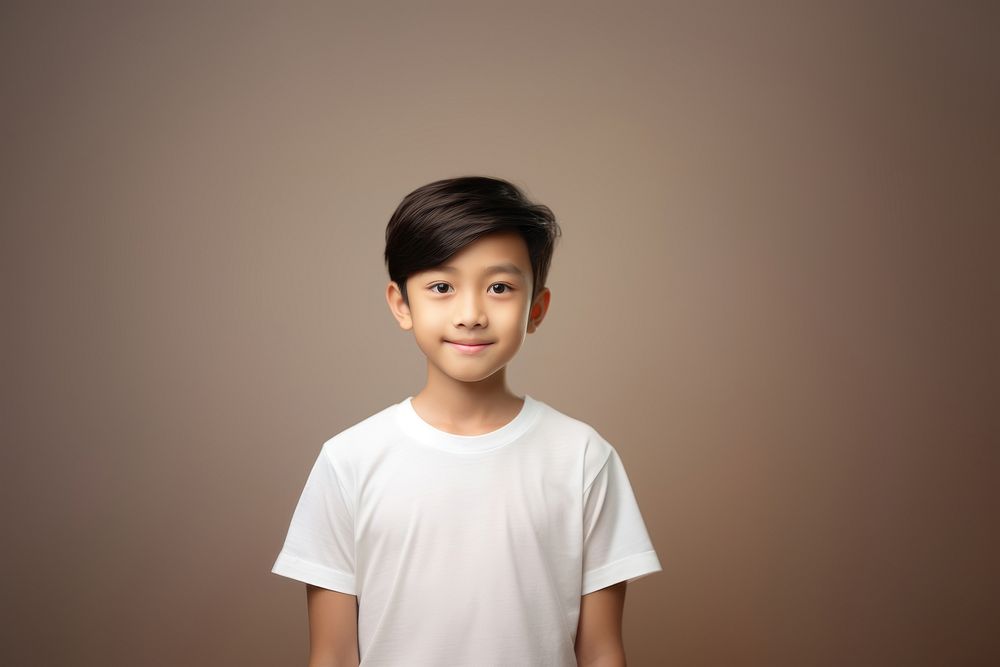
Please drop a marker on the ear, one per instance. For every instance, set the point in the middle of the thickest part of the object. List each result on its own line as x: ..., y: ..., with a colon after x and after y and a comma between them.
x: 538, y: 309
x: 399, y: 309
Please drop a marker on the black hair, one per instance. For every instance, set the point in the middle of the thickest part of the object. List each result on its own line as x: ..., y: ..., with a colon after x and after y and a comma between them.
x: 437, y: 220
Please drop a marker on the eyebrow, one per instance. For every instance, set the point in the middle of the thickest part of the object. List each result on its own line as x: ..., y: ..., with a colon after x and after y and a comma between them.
x: 490, y: 270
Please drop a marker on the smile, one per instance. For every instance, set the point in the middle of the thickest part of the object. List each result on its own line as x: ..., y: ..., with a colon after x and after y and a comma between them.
x: 468, y: 349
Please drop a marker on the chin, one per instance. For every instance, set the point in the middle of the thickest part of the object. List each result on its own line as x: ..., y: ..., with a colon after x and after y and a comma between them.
x: 470, y: 378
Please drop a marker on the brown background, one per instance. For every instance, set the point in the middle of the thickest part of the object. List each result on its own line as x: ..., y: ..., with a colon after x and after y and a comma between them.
x: 776, y: 296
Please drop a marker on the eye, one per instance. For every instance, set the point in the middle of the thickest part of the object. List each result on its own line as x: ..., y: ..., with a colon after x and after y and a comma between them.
x: 505, y: 286
x: 435, y: 285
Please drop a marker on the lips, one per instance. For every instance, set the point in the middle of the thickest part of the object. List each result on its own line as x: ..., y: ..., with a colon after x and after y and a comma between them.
x: 468, y: 347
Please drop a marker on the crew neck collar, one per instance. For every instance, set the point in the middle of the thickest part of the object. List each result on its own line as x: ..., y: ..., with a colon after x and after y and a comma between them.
x: 415, y: 426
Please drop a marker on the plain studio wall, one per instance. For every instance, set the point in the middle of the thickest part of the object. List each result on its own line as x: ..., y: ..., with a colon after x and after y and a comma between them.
x: 776, y: 295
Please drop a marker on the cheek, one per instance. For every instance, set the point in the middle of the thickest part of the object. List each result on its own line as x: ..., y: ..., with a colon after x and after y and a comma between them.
x: 430, y: 325
x: 513, y: 321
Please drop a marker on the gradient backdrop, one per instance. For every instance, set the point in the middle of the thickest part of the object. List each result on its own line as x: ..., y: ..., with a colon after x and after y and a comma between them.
x: 776, y: 295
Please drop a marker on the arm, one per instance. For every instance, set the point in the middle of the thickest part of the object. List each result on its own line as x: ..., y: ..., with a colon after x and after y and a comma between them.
x: 599, y: 634
x: 333, y: 628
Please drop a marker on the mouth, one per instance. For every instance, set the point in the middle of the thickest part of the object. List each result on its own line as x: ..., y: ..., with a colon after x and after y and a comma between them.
x: 468, y: 348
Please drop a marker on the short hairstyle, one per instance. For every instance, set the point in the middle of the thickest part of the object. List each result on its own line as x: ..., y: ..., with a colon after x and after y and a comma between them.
x: 439, y: 219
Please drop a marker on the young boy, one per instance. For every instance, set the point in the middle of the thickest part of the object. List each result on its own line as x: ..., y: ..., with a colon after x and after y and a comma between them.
x: 466, y: 525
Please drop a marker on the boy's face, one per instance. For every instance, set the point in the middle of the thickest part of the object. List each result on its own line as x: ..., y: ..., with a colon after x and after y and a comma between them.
x: 464, y: 301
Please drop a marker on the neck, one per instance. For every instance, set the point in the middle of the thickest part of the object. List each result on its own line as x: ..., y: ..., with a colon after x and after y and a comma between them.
x: 480, y: 406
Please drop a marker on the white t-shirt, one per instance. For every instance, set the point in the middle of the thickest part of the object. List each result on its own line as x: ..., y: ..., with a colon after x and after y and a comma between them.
x: 467, y: 549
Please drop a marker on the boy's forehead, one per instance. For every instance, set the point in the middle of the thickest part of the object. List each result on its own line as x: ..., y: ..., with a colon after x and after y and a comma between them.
x: 503, y: 267
x: 495, y: 253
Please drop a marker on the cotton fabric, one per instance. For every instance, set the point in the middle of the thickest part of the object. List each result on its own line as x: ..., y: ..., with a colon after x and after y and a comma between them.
x: 467, y: 549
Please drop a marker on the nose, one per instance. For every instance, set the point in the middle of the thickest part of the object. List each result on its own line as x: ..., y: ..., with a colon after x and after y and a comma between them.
x: 469, y: 311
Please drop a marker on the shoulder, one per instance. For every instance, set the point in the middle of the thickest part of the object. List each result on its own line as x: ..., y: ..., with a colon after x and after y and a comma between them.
x: 362, y: 438
x: 579, y: 434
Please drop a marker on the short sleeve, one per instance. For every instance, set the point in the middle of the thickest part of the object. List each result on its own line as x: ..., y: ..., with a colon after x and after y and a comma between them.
x: 319, y: 546
x: 616, y: 545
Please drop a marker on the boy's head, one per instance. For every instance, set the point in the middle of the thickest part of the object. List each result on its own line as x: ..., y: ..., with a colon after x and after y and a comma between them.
x: 467, y: 259
x: 437, y: 220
